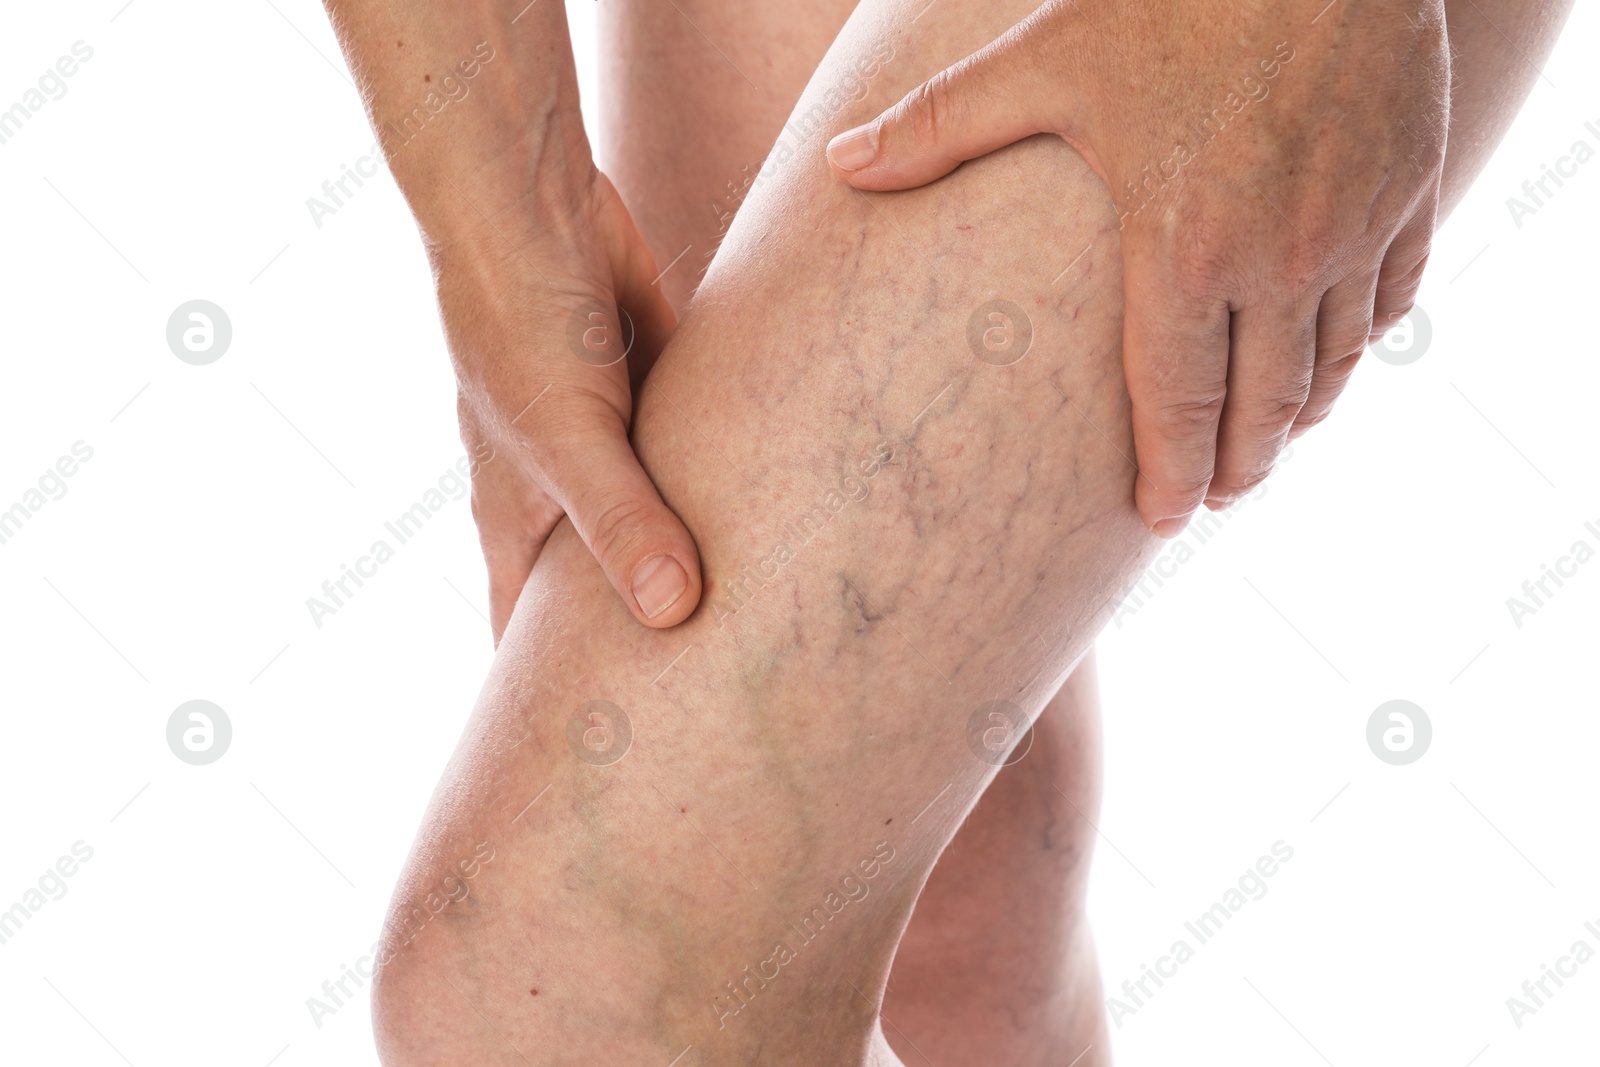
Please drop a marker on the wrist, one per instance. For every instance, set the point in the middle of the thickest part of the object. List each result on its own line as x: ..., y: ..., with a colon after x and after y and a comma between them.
x: 538, y: 195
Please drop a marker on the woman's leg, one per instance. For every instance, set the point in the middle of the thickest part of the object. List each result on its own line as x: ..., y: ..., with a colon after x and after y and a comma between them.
x: 997, y: 964
x: 898, y: 427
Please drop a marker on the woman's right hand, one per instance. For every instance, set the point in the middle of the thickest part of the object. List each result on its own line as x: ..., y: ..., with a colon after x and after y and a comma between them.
x: 476, y: 104
x: 546, y: 370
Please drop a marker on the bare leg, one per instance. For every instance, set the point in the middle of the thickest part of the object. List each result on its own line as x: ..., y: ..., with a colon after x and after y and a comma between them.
x: 900, y: 526
x: 693, y: 94
x: 997, y: 964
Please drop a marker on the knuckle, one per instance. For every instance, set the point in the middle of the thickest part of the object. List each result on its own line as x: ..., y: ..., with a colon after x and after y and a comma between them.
x: 1249, y: 482
x: 928, y: 110
x: 1400, y: 285
x: 618, y: 527
x: 1312, y: 417
x: 1338, y: 368
x: 1187, y: 489
x: 1186, y: 416
x: 1389, y: 308
x: 1276, y: 412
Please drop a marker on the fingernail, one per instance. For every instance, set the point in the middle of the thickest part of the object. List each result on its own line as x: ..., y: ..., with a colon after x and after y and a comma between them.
x: 855, y: 148
x: 657, y: 584
x: 1170, y: 527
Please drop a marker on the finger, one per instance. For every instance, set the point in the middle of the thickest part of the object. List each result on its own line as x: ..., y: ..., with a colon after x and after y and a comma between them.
x: 1344, y: 327
x: 638, y: 291
x: 643, y: 547
x: 1401, y: 275
x: 1175, y: 353
x: 1272, y: 353
x: 511, y: 536
x: 987, y: 101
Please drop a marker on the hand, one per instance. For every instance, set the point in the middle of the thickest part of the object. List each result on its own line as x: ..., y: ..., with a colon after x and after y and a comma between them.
x: 1277, y: 175
x: 546, y: 394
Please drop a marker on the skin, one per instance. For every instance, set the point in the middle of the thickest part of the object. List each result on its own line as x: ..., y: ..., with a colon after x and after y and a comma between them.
x: 533, y: 252
x: 997, y: 963
x: 604, y: 895
x: 1262, y: 252
x: 412, y: 1021
x: 1026, y: 847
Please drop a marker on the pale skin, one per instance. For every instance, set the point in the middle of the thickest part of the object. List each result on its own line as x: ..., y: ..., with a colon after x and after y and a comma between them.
x: 997, y: 964
x: 629, y: 901
x: 1257, y: 268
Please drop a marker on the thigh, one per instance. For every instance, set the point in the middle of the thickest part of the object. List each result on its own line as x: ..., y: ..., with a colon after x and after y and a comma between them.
x: 898, y: 426
x: 996, y: 961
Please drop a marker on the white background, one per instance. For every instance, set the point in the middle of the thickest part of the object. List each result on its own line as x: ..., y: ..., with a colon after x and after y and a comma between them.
x: 177, y: 565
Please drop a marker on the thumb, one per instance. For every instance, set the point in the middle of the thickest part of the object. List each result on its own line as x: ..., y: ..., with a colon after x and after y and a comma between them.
x: 987, y: 101
x: 642, y: 546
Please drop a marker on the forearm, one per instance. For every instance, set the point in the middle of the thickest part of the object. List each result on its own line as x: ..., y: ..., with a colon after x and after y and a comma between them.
x: 1498, y: 48
x: 477, y: 114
